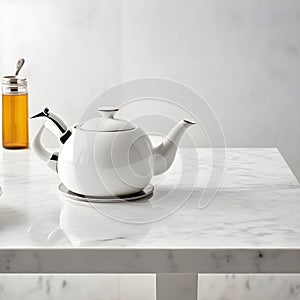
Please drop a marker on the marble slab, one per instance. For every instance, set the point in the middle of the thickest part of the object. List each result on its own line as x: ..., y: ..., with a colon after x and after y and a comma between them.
x: 136, y: 287
x: 252, y: 224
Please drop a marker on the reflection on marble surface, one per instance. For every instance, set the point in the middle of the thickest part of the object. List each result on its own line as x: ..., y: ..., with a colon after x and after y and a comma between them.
x: 86, y: 226
x: 246, y: 212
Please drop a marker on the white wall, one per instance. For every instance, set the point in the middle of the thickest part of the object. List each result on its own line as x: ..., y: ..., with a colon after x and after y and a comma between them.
x: 243, y: 56
x: 72, y: 50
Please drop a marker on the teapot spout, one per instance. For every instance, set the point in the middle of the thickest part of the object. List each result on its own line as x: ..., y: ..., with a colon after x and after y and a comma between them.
x: 164, y: 153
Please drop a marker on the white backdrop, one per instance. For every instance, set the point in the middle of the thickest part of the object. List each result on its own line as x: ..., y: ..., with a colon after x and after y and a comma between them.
x: 243, y: 56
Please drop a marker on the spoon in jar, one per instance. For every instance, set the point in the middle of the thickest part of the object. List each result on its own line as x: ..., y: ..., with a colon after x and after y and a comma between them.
x: 20, y: 64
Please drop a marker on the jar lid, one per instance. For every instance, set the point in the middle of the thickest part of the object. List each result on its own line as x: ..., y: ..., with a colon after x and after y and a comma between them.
x: 14, y: 81
x: 106, y: 123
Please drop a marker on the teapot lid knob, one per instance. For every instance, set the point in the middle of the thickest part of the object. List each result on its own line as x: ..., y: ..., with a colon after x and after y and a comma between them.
x: 107, y: 111
x: 107, y: 122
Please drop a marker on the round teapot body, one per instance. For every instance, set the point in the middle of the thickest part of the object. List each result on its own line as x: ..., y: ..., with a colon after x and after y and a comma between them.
x: 105, y: 164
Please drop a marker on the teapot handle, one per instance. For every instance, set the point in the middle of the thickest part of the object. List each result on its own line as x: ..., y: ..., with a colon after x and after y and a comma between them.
x: 49, y: 157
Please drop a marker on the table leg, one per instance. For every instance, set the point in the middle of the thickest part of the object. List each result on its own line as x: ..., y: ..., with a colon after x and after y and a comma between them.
x: 173, y: 286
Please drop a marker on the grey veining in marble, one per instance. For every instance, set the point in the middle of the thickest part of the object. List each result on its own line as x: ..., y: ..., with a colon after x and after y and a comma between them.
x: 249, y: 287
x: 255, y: 211
x: 136, y: 287
x: 75, y: 287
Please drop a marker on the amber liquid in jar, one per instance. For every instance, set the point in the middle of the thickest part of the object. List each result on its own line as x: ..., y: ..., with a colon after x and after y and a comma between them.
x: 15, y: 121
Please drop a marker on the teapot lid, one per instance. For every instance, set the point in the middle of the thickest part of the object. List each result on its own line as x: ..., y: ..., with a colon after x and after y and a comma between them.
x: 106, y: 122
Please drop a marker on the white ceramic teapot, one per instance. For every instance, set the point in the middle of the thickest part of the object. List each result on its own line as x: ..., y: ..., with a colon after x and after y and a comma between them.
x: 106, y: 156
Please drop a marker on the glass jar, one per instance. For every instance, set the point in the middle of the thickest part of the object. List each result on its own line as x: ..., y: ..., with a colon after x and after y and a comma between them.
x: 14, y: 112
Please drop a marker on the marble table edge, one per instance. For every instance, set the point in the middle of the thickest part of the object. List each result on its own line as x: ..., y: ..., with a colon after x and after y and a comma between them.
x: 255, y: 260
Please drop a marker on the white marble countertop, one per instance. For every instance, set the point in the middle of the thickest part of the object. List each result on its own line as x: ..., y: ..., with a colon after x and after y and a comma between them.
x: 251, y: 225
